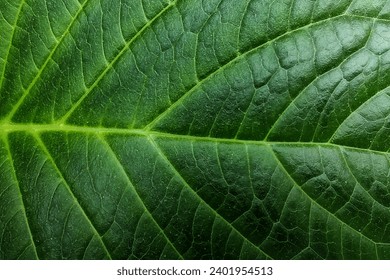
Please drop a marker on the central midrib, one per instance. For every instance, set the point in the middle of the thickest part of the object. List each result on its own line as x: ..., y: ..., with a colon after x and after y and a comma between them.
x: 7, y: 128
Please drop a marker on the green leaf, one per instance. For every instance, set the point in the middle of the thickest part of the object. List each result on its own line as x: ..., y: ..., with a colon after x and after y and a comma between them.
x: 190, y: 129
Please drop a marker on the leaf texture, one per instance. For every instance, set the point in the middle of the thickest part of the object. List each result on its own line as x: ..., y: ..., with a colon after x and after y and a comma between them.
x: 193, y: 129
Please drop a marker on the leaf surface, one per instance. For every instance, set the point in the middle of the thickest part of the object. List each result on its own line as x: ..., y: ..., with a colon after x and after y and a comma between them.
x: 191, y: 129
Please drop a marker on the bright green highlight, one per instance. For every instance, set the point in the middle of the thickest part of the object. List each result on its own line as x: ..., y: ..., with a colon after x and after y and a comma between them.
x: 191, y: 129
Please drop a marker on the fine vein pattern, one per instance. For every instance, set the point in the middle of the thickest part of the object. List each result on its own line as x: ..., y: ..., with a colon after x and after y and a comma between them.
x: 192, y: 129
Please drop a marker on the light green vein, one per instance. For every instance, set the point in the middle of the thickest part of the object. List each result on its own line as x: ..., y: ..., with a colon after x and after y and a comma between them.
x: 23, y: 208
x: 164, y: 157
x: 40, y: 128
x: 221, y: 68
x: 134, y: 190
x: 26, y: 92
x: 110, y: 66
x: 303, y: 91
x: 51, y: 159
x: 347, y: 165
x: 333, y: 137
x: 296, y: 185
x: 10, y: 43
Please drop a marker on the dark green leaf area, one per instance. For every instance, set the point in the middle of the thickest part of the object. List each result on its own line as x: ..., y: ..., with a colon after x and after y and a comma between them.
x: 190, y: 129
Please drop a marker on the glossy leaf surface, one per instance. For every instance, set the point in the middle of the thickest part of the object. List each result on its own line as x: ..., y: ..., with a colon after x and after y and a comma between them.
x: 190, y: 129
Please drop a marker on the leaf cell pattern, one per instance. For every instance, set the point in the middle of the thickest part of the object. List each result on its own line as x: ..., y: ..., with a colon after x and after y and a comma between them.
x: 194, y: 129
